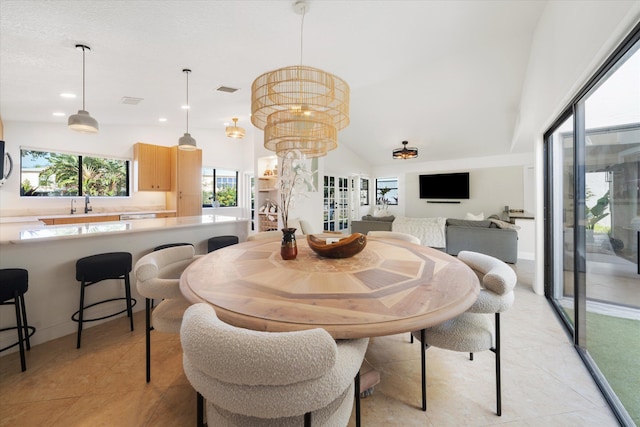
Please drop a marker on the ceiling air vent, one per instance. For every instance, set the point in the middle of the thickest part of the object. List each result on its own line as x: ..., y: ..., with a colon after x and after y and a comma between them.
x: 129, y: 100
x: 226, y: 89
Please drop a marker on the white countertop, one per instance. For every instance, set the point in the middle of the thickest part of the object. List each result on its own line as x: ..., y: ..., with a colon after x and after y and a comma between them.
x: 34, y: 232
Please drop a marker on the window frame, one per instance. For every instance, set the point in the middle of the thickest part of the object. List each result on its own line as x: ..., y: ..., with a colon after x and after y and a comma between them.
x: 80, y: 184
x: 381, y: 200
x: 577, y: 329
x: 364, y: 191
x: 214, y: 176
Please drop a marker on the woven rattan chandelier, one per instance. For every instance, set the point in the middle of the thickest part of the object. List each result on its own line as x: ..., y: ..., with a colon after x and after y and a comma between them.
x: 299, y: 107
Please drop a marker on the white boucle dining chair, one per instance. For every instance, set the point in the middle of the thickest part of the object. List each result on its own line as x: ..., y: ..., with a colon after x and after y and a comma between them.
x: 255, y: 378
x: 473, y: 330
x: 158, y: 277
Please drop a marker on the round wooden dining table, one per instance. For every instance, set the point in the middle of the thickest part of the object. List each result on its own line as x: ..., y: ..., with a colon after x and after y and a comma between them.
x: 390, y: 287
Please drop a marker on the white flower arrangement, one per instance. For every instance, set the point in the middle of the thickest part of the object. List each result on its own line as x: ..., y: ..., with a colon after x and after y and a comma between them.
x: 296, y: 180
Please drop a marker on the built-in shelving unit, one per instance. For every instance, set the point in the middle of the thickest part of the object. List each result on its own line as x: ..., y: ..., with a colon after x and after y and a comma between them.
x: 267, y: 195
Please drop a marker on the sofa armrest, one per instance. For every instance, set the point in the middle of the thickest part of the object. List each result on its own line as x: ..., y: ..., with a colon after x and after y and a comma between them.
x: 496, y: 242
x: 365, y: 226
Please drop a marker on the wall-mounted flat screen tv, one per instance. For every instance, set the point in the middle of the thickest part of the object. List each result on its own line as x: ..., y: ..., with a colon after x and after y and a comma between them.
x: 445, y: 186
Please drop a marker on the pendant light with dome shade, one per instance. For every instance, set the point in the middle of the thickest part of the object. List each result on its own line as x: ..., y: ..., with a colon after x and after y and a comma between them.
x: 82, y: 121
x: 186, y: 141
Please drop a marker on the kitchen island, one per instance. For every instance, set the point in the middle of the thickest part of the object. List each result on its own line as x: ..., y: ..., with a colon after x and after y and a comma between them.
x: 50, y: 253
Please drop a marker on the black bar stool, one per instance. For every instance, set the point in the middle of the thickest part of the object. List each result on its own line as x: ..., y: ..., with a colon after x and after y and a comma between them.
x: 14, y: 283
x: 96, y: 268
x: 219, y: 242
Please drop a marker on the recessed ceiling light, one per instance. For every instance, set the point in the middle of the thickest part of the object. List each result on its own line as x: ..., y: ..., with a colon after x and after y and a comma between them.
x: 162, y: 119
x: 67, y: 95
x: 226, y: 123
x: 59, y: 114
x: 185, y: 107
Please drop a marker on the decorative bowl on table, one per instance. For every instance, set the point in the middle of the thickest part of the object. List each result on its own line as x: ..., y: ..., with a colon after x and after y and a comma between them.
x: 334, y: 246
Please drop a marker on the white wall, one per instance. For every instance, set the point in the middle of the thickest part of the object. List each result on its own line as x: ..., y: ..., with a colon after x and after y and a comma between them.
x: 339, y: 162
x: 494, y: 182
x: 346, y: 163
x: 112, y: 141
x: 571, y: 41
x: 490, y: 189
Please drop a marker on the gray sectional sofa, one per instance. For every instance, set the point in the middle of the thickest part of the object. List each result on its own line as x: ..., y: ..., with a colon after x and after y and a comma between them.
x: 482, y: 236
x: 478, y: 236
x: 372, y: 223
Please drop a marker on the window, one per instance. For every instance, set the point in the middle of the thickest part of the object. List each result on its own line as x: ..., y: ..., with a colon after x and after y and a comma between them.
x: 387, y: 191
x: 364, y: 192
x: 49, y: 174
x: 592, y: 165
x: 224, y: 192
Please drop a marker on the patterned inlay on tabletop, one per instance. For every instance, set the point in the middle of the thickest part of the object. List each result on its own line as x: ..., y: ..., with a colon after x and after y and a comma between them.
x: 389, y: 286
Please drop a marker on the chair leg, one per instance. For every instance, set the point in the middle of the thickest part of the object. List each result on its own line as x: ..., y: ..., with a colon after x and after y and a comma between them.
x: 127, y: 289
x: 80, y: 313
x: 411, y: 337
x: 423, y: 344
x: 23, y: 362
x: 147, y: 316
x: 498, y: 375
x: 470, y: 356
x: 307, y: 419
x: 25, y: 324
x: 199, y: 410
x: 357, y: 397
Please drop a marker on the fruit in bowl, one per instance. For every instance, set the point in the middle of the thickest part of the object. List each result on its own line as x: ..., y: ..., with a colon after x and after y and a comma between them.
x: 331, y: 246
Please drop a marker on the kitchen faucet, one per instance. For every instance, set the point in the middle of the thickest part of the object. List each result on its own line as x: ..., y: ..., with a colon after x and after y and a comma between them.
x: 87, y: 208
x: 73, y: 210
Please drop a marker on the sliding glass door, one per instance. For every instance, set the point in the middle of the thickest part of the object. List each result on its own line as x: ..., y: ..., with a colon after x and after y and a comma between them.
x: 592, y: 164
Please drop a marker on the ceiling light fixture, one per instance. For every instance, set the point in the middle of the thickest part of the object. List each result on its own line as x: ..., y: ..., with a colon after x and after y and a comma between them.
x: 235, y: 131
x: 299, y: 107
x: 405, y: 152
x: 186, y: 141
x: 82, y: 121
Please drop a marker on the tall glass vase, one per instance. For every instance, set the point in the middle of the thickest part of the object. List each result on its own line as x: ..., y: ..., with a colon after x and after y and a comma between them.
x: 289, y: 247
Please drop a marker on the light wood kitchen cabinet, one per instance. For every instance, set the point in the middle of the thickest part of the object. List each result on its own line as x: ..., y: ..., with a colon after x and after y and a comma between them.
x: 185, y: 196
x: 79, y: 219
x: 166, y: 215
x: 152, y: 167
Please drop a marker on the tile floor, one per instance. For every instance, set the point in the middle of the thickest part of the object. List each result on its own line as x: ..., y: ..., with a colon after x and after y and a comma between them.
x: 103, y: 384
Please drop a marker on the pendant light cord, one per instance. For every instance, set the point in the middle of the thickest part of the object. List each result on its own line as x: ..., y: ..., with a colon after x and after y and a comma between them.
x: 83, y: 83
x: 304, y: 11
x: 84, y: 48
x: 188, y: 106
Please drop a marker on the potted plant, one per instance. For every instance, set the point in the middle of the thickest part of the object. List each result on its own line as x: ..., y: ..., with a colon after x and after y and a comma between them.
x: 597, y: 212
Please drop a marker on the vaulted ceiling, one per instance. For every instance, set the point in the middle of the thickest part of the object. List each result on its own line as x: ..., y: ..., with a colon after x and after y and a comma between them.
x: 444, y: 75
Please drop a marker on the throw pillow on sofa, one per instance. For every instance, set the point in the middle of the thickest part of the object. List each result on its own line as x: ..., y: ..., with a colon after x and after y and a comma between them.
x: 473, y: 217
